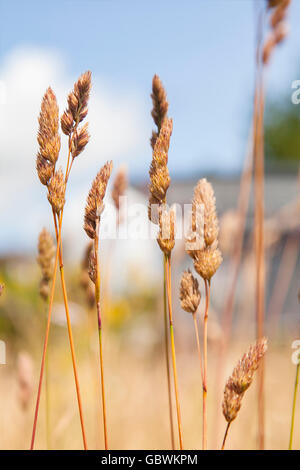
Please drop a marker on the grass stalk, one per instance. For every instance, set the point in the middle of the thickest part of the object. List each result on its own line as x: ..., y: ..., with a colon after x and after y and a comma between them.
x: 294, y: 407
x: 48, y: 431
x: 168, y: 360
x: 97, y: 297
x: 225, y: 436
x: 207, y: 296
x: 58, y: 228
x: 169, y: 297
x: 45, y: 342
x: 258, y: 149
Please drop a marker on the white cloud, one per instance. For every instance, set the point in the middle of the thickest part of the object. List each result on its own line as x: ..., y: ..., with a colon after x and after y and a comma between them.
x: 117, y: 127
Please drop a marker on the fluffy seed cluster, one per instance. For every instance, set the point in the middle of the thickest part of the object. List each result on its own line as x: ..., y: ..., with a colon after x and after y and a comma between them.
x: 75, y: 113
x: 160, y: 107
x: 119, y: 186
x: 189, y: 292
x: 205, y: 229
x: 85, y: 280
x: 279, y: 27
x: 45, y: 259
x: 241, y: 379
x: 48, y: 137
x: 56, y: 191
x: 159, y: 173
x: 242, y: 374
x: 94, y: 205
x: 166, y: 235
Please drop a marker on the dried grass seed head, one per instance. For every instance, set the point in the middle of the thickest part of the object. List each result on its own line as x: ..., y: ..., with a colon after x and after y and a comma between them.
x: 85, y: 281
x: 78, y: 100
x: 80, y: 140
x: 1, y: 289
x: 45, y: 259
x: 231, y: 403
x: 204, y: 194
x: 160, y: 106
x: 189, y: 292
x: 207, y: 261
x: 120, y: 185
x: 166, y: 235
x: 242, y: 375
x: 159, y: 173
x: 94, y: 205
x: 48, y: 137
x: 57, y: 189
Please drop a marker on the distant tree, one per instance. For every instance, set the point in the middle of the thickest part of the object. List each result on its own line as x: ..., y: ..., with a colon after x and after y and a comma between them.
x: 282, y: 134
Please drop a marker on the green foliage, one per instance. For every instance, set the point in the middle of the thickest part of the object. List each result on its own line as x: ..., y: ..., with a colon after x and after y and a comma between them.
x: 282, y: 133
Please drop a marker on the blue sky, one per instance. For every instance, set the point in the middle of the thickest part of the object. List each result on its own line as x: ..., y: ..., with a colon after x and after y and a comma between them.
x: 203, y: 51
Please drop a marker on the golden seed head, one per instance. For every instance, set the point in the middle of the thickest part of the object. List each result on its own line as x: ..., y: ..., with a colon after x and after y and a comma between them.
x: 204, y: 194
x: 46, y: 252
x: 242, y: 375
x: 57, y: 189
x: 48, y: 136
x: 207, y: 261
x: 92, y: 271
x: 189, y: 292
x: 79, y: 141
x: 79, y: 97
x: 44, y: 169
x: 160, y: 106
x: 66, y: 122
x: 231, y: 403
x: 119, y: 186
x: 85, y: 280
x: 166, y: 236
x: 94, y: 205
x: 159, y: 173
x: 202, y: 241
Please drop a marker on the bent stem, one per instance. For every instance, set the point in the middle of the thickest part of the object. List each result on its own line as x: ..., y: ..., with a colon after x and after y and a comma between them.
x: 45, y: 343
x: 294, y: 407
x: 207, y: 295
x: 168, y: 360
x: 169, y: 295
x: 69, y: 326
x: 97, y: 296
x: 225, y: 436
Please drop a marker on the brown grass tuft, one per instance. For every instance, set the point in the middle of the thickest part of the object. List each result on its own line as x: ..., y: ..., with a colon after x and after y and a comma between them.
x: 189, y: 292
x: 57, y: 189
x: 46, y: 254
x: 48, y: 137
x: 160, y: 107
x: 159, y: 173
x: 94, y: 205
